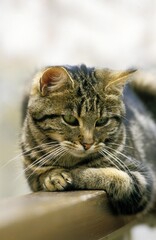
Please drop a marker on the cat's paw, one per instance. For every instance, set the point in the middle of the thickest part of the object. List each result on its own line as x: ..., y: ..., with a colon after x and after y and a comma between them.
x: 58, y: 180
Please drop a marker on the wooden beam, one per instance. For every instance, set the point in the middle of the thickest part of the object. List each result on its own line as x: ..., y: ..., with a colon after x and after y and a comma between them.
x: 58, y: 215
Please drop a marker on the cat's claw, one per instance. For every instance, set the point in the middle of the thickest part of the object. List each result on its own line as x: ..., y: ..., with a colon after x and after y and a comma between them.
x: 67, y: 177
x: 58, y: 181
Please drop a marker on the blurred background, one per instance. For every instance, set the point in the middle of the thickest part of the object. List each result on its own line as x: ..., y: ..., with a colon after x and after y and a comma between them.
x: 34, y: 33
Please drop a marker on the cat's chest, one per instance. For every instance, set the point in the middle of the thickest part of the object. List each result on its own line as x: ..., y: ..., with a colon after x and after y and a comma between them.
x: 100, y: 162
x: 92, y: 161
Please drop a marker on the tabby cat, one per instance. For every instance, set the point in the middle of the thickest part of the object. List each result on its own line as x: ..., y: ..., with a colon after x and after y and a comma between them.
x: 85, y: 128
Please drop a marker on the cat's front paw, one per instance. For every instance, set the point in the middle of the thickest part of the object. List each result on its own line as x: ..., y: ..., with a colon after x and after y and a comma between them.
x: 57, y: 180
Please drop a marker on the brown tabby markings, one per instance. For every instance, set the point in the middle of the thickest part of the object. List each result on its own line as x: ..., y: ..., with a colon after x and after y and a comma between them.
x: 75, y: 137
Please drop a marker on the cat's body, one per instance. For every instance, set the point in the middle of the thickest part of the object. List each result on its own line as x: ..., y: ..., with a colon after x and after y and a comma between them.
x: 76, y: 135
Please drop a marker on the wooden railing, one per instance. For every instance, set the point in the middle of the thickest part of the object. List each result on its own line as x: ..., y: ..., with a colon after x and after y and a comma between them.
x: 79, y: 215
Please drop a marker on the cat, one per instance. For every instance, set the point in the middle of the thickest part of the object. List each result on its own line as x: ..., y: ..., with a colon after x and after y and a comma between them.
x: 86, y: 128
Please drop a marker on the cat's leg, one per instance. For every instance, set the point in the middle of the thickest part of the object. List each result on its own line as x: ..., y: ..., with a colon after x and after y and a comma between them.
x: 49, y: 179
x: 128, y: 192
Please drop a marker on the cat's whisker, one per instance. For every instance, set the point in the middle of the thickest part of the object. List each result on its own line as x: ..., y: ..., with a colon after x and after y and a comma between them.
x: 41, y: 150
x: 115, y: 159
x: 21, y: 154
x: 56, y: 152
x: 118, y: 152
x: 37, y: 160
x: 64, y: 153
x: 103, y: 153
x: 35, y: 163
x: 45, y: 160
x: 48, y: 154
x: 121, y: 163
x: 42, y: 144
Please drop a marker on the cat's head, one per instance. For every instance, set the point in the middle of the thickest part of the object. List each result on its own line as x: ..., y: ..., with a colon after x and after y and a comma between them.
x: 81, y: 108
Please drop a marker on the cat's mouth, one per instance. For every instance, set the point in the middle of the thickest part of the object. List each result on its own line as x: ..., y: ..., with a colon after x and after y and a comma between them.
x: 79, y: 150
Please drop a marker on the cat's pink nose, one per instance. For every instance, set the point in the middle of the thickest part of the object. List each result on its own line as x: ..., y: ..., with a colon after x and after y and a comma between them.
x: 87, y: 145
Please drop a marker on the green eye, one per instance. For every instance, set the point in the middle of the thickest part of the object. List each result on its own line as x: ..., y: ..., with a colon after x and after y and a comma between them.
x: 102, y: 121
x: 71, y: 120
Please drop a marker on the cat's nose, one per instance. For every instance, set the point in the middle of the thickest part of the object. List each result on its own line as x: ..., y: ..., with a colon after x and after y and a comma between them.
x: 87, y: 145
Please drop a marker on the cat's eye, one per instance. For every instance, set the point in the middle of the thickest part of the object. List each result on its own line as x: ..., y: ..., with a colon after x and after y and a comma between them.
x: 117, y: 118
x: 71, y: 120
x: 102, y: 121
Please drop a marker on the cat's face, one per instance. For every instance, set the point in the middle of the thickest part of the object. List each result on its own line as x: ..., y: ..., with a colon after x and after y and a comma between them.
x: 83, y: 111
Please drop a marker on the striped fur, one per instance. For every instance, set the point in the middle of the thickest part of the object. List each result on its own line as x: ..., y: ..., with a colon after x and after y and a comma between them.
x: 79, y: 133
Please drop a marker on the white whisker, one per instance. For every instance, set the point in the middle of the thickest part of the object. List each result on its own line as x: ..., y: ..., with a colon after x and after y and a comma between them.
x: 36, y: 162
x: 103, y: 153
x: 118, y: 152
x: 58, y: 153
x: 22, y: 153
x: 121, y: 163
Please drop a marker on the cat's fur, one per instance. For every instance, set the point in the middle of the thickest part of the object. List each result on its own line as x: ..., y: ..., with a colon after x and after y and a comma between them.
x: 79, y: 133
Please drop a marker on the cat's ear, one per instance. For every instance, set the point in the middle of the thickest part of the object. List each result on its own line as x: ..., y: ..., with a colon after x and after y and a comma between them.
x: 119, y: 78
x: 109, y: 79
x: 52, y: 79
